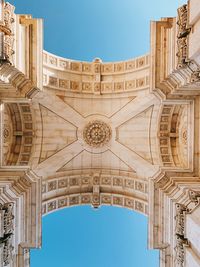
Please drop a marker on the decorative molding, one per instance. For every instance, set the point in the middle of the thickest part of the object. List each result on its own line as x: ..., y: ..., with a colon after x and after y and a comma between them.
x: 174, y: 75
x: 22, y: 134
x: 95, y: 189
x: 88, y: 87
x: 96, y: 200
x: 173, y: 135
x: 93, y: 77
x: 96, y: 66
x: 17, y: 81
x: 169, y: 204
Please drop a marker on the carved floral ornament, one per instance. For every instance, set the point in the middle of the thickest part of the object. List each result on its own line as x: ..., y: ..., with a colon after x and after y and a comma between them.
x: 97, y: 133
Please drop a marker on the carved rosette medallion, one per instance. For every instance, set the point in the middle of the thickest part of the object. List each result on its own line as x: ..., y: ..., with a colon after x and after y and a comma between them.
x: 97, y: 133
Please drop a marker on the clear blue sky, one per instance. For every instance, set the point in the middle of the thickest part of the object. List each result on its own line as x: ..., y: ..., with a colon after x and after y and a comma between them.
x: 112, y: 30
x: 85, y: 29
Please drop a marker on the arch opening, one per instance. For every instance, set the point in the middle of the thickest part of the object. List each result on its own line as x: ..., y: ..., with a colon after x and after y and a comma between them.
x: 96, y: 189
x: 107, y: 237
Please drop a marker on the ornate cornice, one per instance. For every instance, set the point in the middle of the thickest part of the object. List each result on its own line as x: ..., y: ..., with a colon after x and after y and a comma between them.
x: 172, y: 194
x: 21, y: 86
x: 175, y: 75
x: 181, y: 212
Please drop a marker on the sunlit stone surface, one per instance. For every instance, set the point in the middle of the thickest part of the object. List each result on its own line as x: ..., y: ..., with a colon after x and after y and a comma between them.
x: 122, y: 134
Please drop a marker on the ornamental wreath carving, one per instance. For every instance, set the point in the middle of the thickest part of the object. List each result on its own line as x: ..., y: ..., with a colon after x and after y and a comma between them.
x: 97, y: 133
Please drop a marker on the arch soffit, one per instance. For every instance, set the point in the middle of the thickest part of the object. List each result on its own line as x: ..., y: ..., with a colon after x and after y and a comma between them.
x: 95, y: 188
x: 95, y: 77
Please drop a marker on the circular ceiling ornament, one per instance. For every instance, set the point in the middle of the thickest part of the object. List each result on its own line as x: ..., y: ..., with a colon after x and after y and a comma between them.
x: 97, y: 133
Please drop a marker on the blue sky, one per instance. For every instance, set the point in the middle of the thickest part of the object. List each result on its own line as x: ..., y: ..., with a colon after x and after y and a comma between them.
x: 84, y: 237
x: 112, y: 30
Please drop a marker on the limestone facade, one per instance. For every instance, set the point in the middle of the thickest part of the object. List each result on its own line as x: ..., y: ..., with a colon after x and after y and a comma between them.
x: 118, y: 133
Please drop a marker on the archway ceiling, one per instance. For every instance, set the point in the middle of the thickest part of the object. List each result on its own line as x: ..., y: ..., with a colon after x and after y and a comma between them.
x: 131, y: 147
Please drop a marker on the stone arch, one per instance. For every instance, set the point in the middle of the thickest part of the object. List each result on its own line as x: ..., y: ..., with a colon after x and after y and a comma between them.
x: 97, y: 77
x: 147, y: 92
x: 94, y: 188
x: 18, y: 133
x: 174, y: 130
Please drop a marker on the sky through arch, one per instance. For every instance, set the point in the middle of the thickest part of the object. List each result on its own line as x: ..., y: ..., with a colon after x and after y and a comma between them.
x: 84, y: 237
x: 112, y: 30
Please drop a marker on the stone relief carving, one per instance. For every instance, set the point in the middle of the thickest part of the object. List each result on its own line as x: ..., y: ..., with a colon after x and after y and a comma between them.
x: 195, y: 76
x: 180, y: 252
x: 8, y: 231
x: 181, y: 211
x: 6, y: 36
x: 90, y: 190
x: 97, y: 133
x: 194, y: 196
x: 181, y: 241
x: 180, y: 221
x: 183, y: 32
x: 8, y: 15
